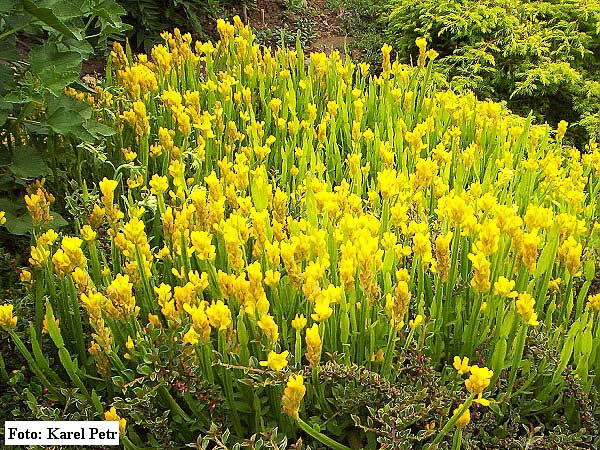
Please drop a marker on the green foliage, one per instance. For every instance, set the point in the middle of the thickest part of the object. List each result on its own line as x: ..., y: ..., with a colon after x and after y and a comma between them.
x: 539, y: 55
x: 151, y: 17
x: 360, y: 19
x: 42, y: 48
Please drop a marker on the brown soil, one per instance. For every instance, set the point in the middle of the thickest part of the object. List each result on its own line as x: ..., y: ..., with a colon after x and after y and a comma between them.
x: 328, y: 33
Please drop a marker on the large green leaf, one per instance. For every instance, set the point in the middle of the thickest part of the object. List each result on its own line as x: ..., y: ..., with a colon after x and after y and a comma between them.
x: 47, y: 16
x: 18, y: 220
x: 28, y: 162
x: 67, y: 116
x: 55, y: 68
x: 99, y: 129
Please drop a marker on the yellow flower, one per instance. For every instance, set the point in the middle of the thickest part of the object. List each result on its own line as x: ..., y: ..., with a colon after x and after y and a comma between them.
x: 107, y: 187
x: 154, y: 320
x: 461, y: 366
x: 112, y: 416
x: 122, y: 301
x: 48, y: 238
x: 299, y: 322
x: 2, y: 217
x: 292, y: 395
x: 594, y: 302
x: 202, y: 244
x: 569, y: 253
x: 504, y: 287
x: 464, y: 418
x: 87, y: 233
x: 482, y: 267
x: 525, y: 307
x: 25, y: 276
x: 267, y: 324
x: 418, y: 320
x: 479, y: 380
x: 322, y: 309
x: 386, y: 50
x: 561, y: 130
x: 314, y: 345
x: 159, y: 184
x: 422, y: 44
x: 7, y: 320
x: 219, y: 315
x: 422, y: 247
x: 276, y: 361
x: 378, y: 357
x: 554, y: 285
x: 191, y: 337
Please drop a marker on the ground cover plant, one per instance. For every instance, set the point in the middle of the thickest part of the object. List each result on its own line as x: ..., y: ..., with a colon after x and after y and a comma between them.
x: 284, y: 252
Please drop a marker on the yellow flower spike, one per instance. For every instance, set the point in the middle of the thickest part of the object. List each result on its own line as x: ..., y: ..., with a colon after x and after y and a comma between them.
x: 159, y: 185
x: 7, y: 320
x: 112, y: 416
x: 504, y: 287
x: 191, y: 337
x: 202, y: 244
x: 418, y: 320
x: 272, y: 278
x: 87, y: 233
x: 594, y: 302
x: 482, y: 271
x: 275, y: 105
x: 322, y: 310
x: 276, y: 361
x: 122, y: 301
x: 107, y: 187
x: 292, y: 395
x: 569, y: 253
x: 314, y: 345
x: 461, y: 365
x: 135, y: 232
x: 422, y: 45
x: 154, y: 320
x: 299, y: 322
x: 554, y: 285
x: 62, y: 263
x: 561, y: 130
x: 95, y: 218
x: 464, y: 419
x: 479, y: 380
x: 368, y: 135
x: 525, y: 304
x: 25, y: 276
x: 268, y: 325
x: 2, y: 217
x: 48, y: 238
x: 219, y: 315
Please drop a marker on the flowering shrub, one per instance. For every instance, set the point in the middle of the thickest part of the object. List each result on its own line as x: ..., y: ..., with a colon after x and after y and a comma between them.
x: 266, y: 216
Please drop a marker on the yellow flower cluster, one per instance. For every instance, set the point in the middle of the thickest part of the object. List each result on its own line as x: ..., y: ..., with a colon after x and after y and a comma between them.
x: 7, y: 320
x: 264, y: 208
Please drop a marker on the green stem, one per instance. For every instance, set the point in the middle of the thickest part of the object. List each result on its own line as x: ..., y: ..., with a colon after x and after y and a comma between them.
x: 452, y: 421
x: 325, y: 440
x: 456, y: 440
